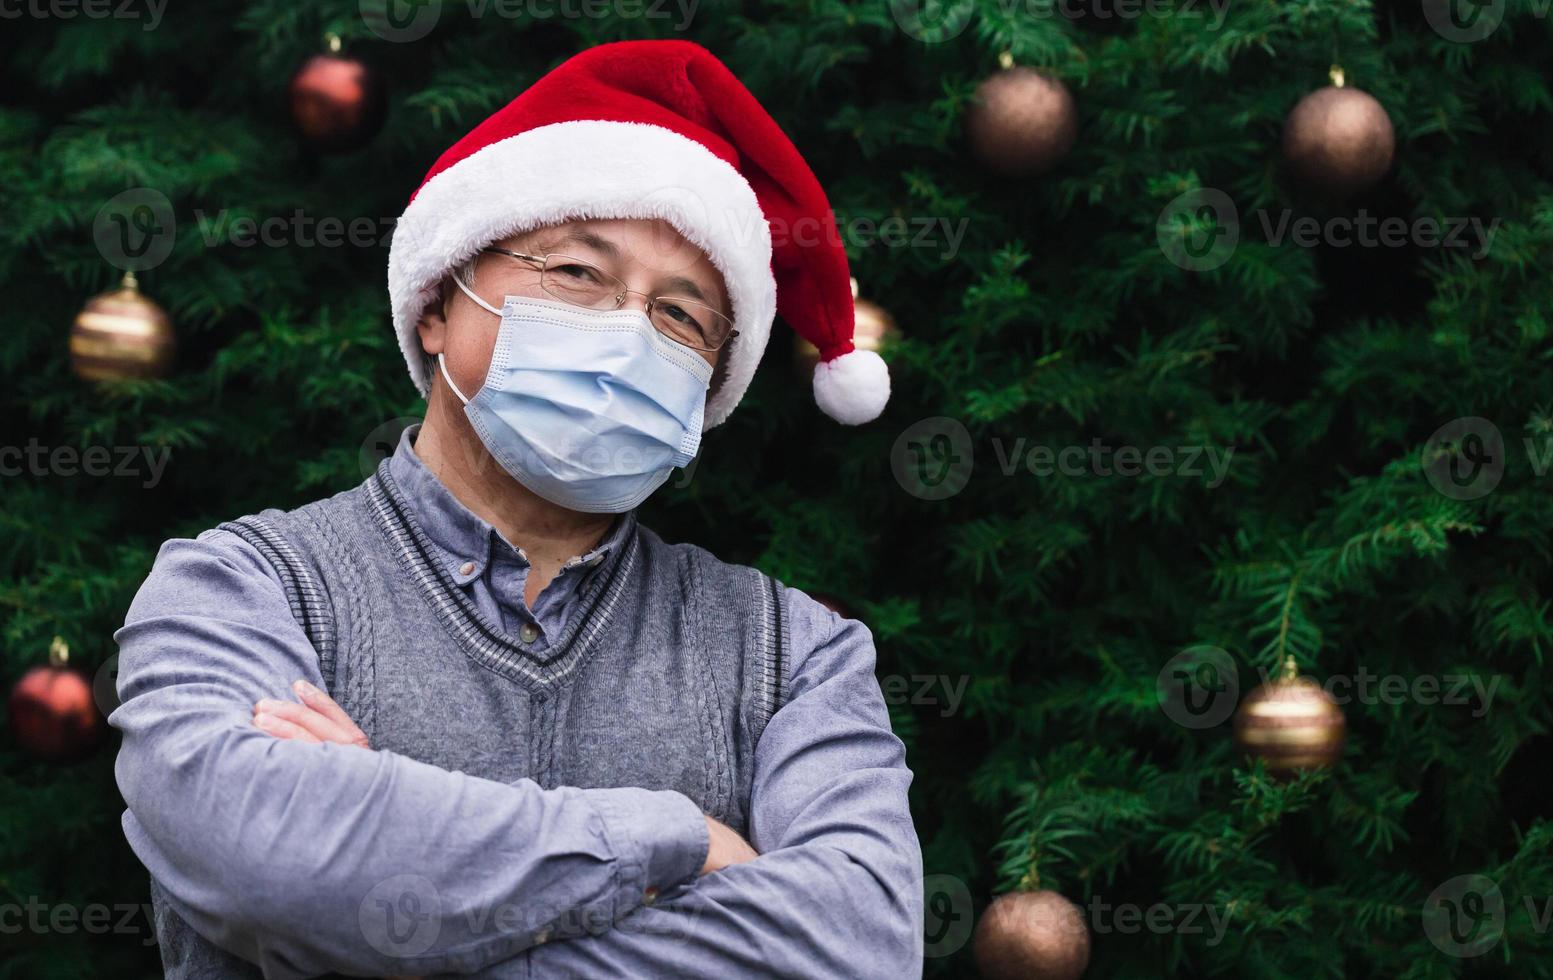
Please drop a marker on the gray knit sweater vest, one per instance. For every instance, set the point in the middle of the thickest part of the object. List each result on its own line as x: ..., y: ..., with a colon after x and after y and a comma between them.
x: 664, y: 676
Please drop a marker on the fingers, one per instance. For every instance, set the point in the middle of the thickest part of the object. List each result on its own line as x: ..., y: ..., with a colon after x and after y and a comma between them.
x: 726, y: 847
x: 325, y: 705
x: 281, y: 728
x: 300, y: 717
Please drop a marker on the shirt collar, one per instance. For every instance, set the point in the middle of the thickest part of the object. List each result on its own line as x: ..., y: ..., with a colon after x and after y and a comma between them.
x: 465, y: 539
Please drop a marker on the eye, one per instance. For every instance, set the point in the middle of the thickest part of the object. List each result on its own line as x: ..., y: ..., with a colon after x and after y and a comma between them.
x: 577, y: 272
x: 679, y: 314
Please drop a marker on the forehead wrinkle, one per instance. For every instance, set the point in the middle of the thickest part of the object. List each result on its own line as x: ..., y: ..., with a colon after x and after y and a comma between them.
x: 579, y: 236
x: 547, y: 241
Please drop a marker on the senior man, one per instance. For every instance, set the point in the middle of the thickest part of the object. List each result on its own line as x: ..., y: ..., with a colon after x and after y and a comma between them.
x: 472, y: 717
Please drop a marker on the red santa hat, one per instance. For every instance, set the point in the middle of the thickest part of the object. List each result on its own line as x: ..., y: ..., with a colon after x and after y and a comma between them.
x: 650, y: 129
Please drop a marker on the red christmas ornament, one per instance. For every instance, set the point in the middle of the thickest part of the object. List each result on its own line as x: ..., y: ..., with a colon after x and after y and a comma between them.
x: 337, y: 102
x: 52, y: 714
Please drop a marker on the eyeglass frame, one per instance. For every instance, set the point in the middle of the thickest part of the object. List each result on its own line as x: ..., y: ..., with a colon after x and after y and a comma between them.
x: 620, y: 298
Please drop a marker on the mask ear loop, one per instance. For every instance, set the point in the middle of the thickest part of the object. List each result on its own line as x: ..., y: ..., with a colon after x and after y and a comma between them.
x: 442, y: 362
x: 459, y: 280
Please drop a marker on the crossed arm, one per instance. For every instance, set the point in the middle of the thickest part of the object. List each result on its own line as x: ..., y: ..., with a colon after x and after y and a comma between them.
x: 278, y: 848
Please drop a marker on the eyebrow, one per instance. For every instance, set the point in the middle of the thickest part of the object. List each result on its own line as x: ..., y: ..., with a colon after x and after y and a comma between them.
x: 583, y: 236
x: 593, y: 240
x: 688, y: 287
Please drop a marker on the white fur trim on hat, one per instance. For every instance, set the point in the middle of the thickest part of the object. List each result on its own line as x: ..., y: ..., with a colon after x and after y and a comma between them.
x: 589, y: 169
x: 852, y: 388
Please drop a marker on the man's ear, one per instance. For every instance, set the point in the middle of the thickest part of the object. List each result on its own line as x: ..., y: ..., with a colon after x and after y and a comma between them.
x: 433, y: 325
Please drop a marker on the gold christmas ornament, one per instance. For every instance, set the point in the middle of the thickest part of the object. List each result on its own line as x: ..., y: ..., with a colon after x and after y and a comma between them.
x: 120, y: 335
x: 1031, y: 935
x: 1290, y: 723
x: 1021, y: 121
x: 873, y: 328
x: 1338, y: 139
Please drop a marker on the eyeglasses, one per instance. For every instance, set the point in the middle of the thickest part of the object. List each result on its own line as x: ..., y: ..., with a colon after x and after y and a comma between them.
x: 581, y: 283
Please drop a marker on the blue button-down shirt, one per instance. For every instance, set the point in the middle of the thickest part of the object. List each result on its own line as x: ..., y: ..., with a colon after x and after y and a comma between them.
x: 271, y: 849
x: 475, y: 552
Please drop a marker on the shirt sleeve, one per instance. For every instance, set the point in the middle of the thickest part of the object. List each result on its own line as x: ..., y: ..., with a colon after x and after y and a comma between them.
x: 307, y: 858
x: 837, y: 889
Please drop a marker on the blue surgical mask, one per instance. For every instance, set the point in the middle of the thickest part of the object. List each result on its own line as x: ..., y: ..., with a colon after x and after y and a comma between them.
x: 590, y: 409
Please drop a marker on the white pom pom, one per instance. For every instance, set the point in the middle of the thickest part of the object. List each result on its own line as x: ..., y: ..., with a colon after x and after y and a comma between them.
x: 852, y: 388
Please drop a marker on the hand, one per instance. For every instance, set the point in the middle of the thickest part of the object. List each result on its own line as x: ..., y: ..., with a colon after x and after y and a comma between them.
x: 316, y: 719
x: 727, y: 847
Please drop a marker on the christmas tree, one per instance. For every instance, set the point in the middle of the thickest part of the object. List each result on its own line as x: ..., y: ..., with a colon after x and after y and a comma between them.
x: 1180, y: 392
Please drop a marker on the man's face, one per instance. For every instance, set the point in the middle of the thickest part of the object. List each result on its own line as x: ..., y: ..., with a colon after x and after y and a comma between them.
x: 648, y: 255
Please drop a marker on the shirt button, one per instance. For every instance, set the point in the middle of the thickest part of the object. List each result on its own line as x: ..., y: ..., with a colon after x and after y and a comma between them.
x: 528, y: 632
x: 649, y: 896
x: 542, y: 935
x: 467, y: 568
